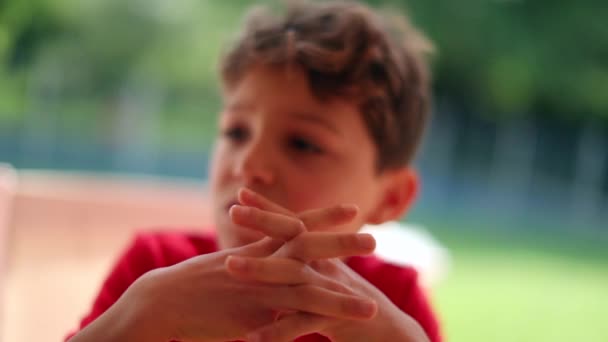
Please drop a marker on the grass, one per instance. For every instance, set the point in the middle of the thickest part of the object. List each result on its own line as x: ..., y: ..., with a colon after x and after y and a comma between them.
x: 524, y: 287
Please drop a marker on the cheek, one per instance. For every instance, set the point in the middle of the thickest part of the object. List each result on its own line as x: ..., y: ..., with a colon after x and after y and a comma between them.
x: 313, y: 190
x: 219, y: 166
x: 307, y: 185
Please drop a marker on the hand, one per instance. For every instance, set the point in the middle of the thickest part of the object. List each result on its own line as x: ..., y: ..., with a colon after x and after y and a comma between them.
x: 287, y: 267
x: 389, y: 323
x: 197, y: 300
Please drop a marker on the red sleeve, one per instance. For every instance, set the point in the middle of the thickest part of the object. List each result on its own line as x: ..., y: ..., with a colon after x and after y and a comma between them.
x: 416, y: 304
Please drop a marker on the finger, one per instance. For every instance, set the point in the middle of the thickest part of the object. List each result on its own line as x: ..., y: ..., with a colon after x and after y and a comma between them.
x: 264, y: 247
x: 281, y: 271
x: 316, y: 245
x: 317, y: 300
x: 315, y: 219
x: 253, y: 199
x: 318, y: 219
x: 271, y: 224
x: 290, y: 327
x: 274, y: 270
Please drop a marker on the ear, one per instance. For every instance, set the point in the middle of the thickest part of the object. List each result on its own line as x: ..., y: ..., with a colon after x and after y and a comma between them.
x: 400, y: 191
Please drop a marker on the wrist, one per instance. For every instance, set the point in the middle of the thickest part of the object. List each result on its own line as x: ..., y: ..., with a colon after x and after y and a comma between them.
x: 400, y: 326
x: 395, y: 326
x: 355, y: 331
x: 136, y: 326
x: 118, y: 324
x: 139, y: 315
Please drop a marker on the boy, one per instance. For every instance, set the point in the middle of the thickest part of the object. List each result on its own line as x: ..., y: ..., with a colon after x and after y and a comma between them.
x: 323, y: 110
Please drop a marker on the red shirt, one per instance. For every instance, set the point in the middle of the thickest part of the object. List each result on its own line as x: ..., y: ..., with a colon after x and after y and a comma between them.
x: 149, y: 251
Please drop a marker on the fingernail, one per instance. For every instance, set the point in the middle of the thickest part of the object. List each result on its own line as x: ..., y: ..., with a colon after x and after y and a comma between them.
x: 247, y: 193
x: 239, y: 209
x: 349, y: 209
x: 302, y: 226
x: 366, y: 241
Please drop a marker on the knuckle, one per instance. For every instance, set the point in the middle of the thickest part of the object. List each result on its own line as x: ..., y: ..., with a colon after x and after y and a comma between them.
x: 252, y: 266
x: 349, y: 305
x: 258, y: 216
x: 336, y: 213
x: 347, y: 241
x: 306, y: 293
x: 301, y: 290
x: 296, y: 248
x: 322, y: 266
x: 293, y: 228
x: 316, y: 265
x: 298, y: 227
x: 331, y: 267
x: 338, y: 287
x: 304, y: 271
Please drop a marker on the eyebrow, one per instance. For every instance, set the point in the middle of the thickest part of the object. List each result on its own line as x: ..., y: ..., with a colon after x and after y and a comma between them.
x: 303, y: 116
x: 317, y: 120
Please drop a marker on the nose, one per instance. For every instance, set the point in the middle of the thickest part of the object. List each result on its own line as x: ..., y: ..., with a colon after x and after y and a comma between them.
x: 254, y: 164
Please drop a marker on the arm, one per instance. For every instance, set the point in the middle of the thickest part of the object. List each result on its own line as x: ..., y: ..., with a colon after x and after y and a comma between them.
x: 108, y: 315
x: 121, y: 323
x: 137, y: 259
x: 197, y: 300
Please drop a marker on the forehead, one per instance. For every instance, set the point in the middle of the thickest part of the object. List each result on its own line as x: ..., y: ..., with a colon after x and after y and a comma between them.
x: 267, y: 89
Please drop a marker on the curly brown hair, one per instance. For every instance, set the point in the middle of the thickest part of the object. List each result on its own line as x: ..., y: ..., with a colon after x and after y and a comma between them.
x: 347, y: 50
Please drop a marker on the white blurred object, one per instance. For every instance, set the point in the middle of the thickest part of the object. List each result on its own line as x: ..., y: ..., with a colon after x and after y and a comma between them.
x: 406, y: 244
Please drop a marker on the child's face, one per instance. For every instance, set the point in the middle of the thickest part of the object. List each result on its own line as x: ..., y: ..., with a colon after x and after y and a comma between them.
x: 277, y: 139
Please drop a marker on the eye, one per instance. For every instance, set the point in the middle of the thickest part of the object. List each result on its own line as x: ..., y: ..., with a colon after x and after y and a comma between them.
x: 236, y: 134
x: 303, y: 145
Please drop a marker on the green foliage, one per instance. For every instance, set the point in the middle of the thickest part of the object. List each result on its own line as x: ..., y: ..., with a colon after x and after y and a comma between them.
x: 500, y: 57
x: 506, y: 286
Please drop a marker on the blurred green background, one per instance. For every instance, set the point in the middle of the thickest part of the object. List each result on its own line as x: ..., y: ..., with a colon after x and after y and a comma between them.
x: 515, y: 166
